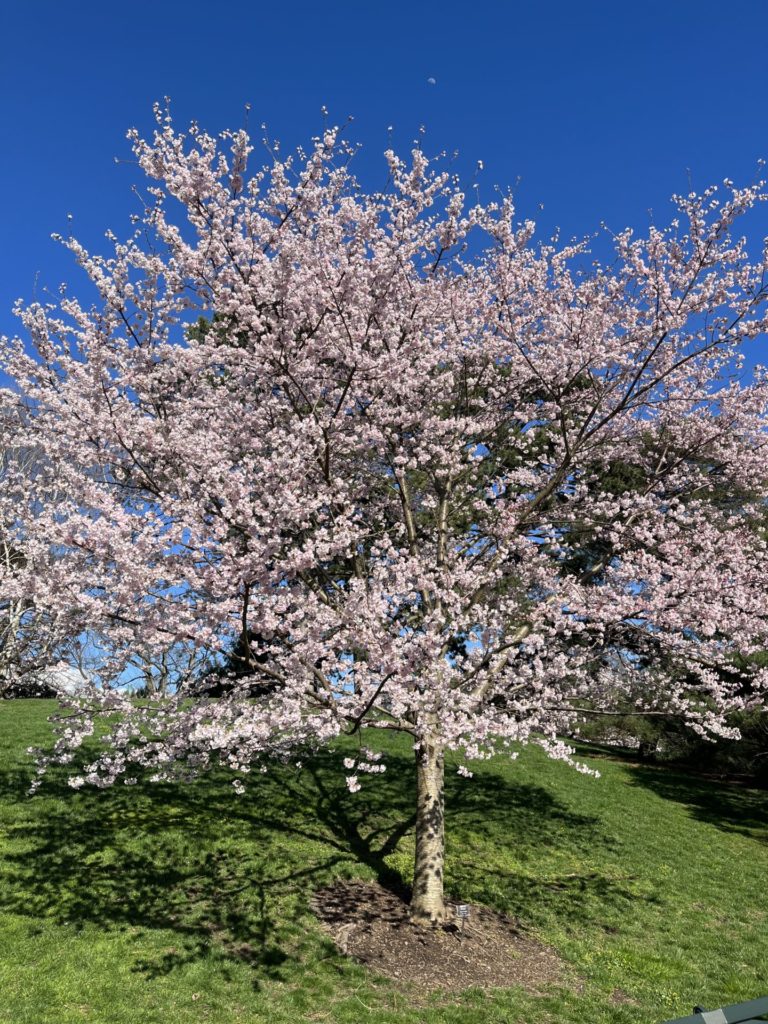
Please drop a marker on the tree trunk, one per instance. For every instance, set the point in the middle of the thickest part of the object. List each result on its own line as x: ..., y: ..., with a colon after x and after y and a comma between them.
x: 427, y: 901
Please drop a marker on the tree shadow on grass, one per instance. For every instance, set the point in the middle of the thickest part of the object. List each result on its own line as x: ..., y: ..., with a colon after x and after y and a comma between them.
x: 231, y: 876
x: 729, y: 806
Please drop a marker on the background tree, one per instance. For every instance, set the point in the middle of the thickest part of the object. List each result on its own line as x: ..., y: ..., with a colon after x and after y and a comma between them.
x: 162, y: 670
x: 237, y: 665
x: 392, y: 458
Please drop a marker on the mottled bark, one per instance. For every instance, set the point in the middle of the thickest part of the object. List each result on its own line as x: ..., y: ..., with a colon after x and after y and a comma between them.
x: 427, y: 901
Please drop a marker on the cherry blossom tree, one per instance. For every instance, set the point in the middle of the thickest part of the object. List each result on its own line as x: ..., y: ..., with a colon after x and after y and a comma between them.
x: 372, y: 441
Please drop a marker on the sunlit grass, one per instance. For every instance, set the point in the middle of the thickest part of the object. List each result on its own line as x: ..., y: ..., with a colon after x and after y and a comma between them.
x: 188, y: 903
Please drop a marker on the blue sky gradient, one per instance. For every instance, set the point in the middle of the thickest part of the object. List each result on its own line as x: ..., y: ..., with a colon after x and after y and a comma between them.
x: 597, y: 110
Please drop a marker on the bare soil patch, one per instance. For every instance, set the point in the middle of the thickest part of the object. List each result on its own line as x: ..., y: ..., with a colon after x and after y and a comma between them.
x: 371, y: 924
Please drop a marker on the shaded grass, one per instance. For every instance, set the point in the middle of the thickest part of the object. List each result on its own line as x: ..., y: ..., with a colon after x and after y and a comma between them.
x: 188, y: 903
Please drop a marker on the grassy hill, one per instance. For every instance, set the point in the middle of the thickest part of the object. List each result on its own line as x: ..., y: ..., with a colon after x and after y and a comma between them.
x: 186, y: 903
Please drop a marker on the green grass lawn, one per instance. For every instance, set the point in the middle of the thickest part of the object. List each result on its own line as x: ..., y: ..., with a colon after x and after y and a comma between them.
x: 187, y: 903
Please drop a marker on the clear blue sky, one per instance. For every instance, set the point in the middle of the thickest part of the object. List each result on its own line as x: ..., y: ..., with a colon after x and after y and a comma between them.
x: 600, y: 109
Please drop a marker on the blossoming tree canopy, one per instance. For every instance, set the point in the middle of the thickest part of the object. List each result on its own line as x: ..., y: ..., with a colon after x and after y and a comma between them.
x: 424, y: 474
x: 32, y: 638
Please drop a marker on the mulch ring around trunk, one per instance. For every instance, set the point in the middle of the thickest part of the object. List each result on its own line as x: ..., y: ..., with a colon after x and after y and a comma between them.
x: 371, y: 924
